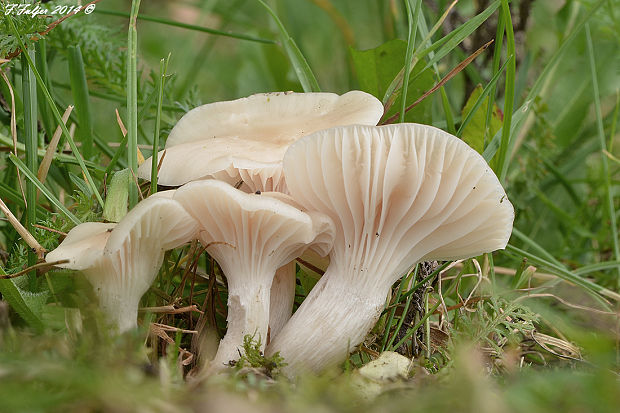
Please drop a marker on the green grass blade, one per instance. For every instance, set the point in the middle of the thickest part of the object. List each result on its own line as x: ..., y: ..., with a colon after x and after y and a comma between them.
x: 599, y: 266
x: 60, y: 157
x: 193, y: 27
x: 41, y: 62
x: 79, y: 89
x: 509, y: 95
x: 520, y: 114
x: 57, y: 115
x: 497, y: 57
x: 32, y: 178
x: 563, y: 273
x: 537, y: 247
x: 412, y: 330
x: 31, y: 139
x: 609, y: 198
x: 302, y: 69
x: 13, y: 295
x: 458, y: 35
x: 412, y: 21
x: 163, y: 67
x: 132, y: 100
x: 485, y: 92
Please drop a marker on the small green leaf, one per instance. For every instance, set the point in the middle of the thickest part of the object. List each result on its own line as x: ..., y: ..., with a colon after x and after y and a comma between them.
x: 473, y: 134
x: 376, y: 68
x: 118, y: 194
x: 28, y: 305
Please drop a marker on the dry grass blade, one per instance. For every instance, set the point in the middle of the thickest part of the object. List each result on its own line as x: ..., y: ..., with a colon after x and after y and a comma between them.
x: 442, y: 82
x: 51, y: 148
x: 22, y: 231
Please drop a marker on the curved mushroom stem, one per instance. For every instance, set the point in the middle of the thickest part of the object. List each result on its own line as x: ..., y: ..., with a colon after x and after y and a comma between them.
x: 248, y: 313
x: 333, y: 319
x: 282, y: 298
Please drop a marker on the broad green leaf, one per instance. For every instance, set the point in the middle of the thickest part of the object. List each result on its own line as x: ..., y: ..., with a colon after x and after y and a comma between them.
x: 377, y: 67
x: 28, y: 305
x: 473, y: 134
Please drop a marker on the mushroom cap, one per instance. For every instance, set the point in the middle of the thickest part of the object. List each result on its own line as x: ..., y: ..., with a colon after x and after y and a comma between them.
x: 82, y: 246
x: 399, y: 194
x: 247, y: 138
x: 211, y: 158
x: 280, y: 117
x: 249, y: 233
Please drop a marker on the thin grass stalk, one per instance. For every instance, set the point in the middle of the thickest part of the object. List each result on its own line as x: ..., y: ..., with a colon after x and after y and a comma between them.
x: 32, y: 178
x: 41, y: 62
x: 502, y: 160
x: 523, y: 111
x: 132, y: 100
x: 57, y: 115
x: 401, y: 320
x: 31, y: 142
x: 609, y: 198
x: 163, y: 68
x: 300, y: 64
x: 412, y: 23
x: 565, y: 274
x: 490, y: 87
x: 388, y: 324
x: 392, y: 91
x: 81, y: 98
x: 413, y: 329
x: 497, y: 57
x: 194, y: 27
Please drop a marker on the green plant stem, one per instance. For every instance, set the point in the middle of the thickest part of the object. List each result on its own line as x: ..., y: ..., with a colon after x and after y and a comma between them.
x: 79, y: 89
x: 609, y: 198
x: 31, y: 141
x: 32, y: 178
x: 41, y: 62
x: 502, y: 161
x: 173, y: 23
x: 57, y: 114
x: 405, y: 310
x: 163, y: 67
x: 300, y: 64
x: 412, y: 22
x: 497, y: 57
x: 132, y: 100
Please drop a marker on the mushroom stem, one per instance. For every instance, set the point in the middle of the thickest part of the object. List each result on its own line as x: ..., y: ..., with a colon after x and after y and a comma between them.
x: 248, y: 313
x: 282, y: 298
x: 120, y: 309
x: 342, y: 326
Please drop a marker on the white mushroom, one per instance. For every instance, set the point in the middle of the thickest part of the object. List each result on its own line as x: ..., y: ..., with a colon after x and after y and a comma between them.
x: 250, y: 236
x: 122, y: 260
x: 219, y: 139
x: 398, y: 194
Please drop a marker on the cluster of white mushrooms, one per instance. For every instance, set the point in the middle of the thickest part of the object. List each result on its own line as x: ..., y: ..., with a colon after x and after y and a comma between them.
x: 314, y: 173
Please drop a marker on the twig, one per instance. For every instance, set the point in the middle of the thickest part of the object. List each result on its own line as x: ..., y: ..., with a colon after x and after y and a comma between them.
x: 33, y: 267
x: 170, y: 309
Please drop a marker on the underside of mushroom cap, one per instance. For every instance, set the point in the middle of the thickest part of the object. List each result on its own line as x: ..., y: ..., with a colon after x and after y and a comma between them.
x: 252, y: 227
x: 280, y: 117
x: 213, y: 158
x: 399, y: 194
x: 82, y: 246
